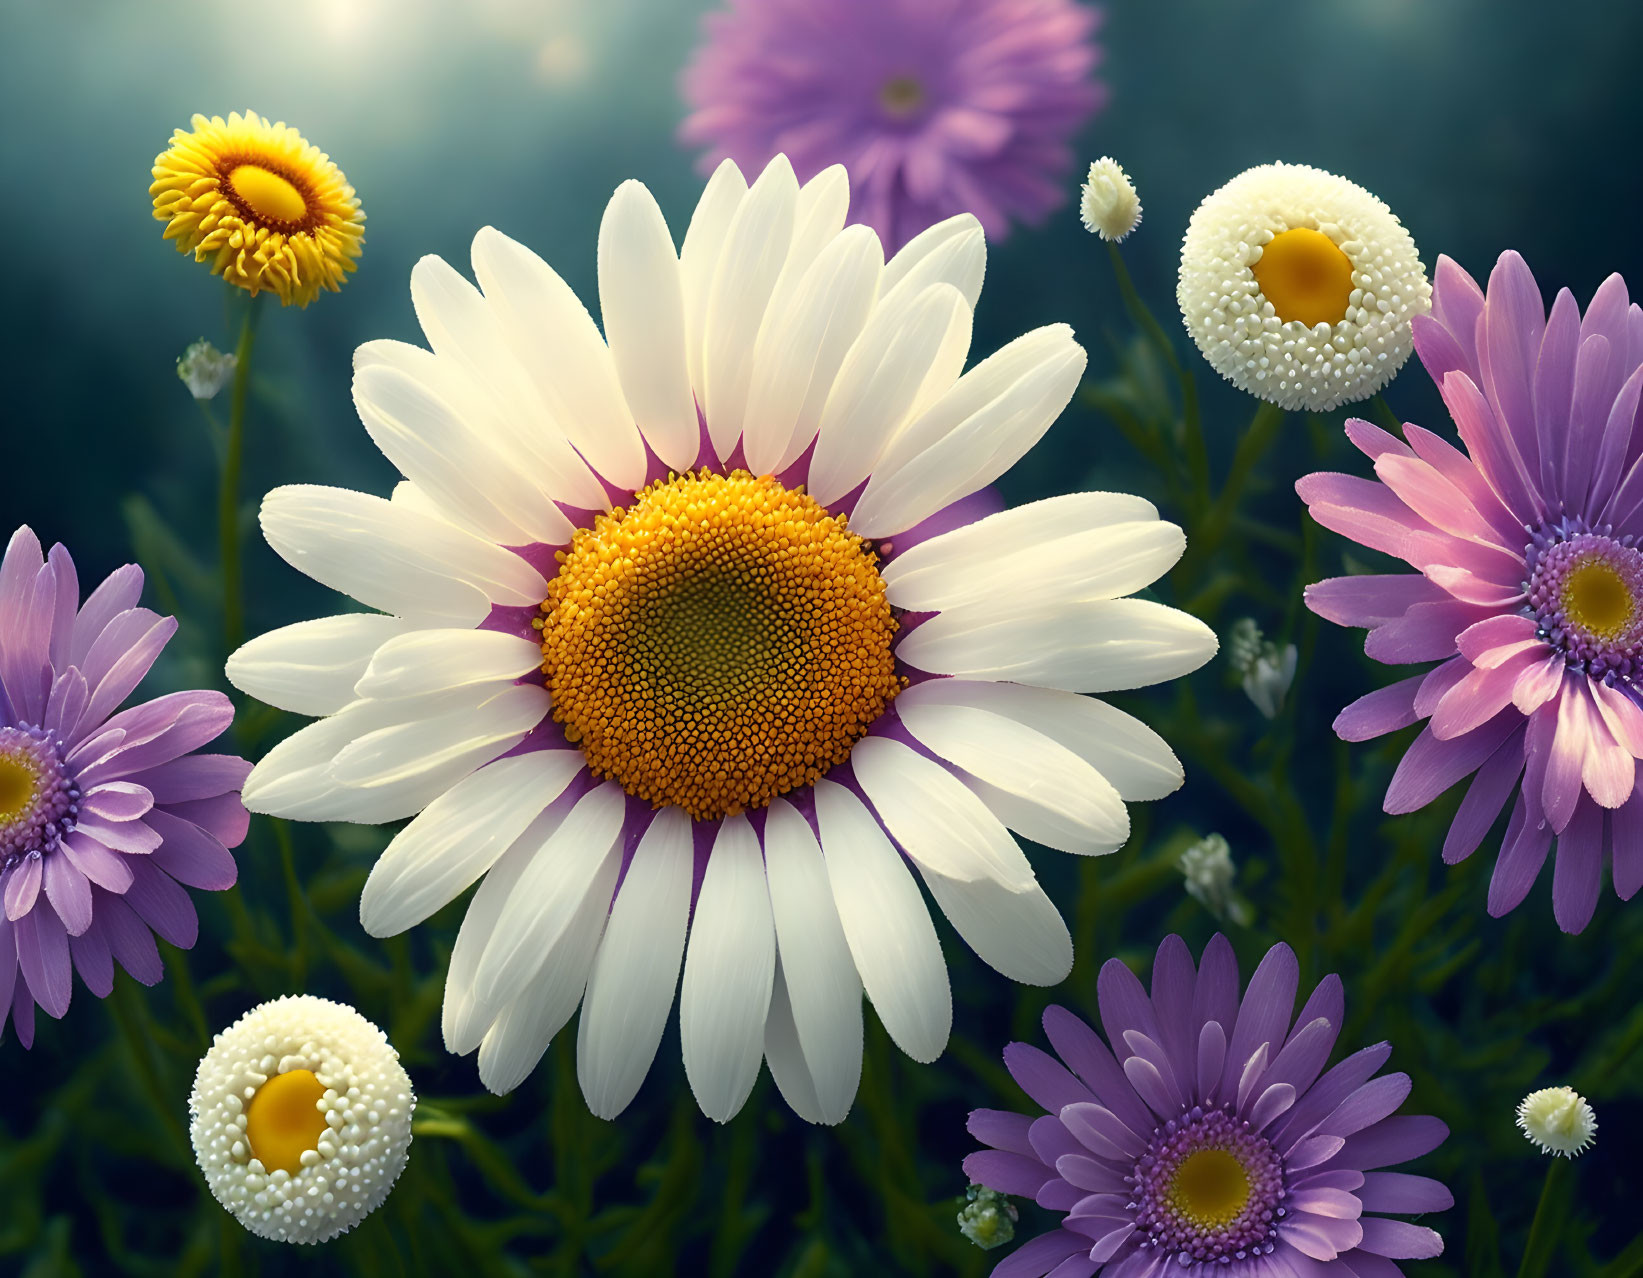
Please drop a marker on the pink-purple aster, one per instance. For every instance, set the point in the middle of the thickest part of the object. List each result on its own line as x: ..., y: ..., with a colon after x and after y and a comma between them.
x: 1529, y: 582
x: 1208, y: 1137
x: 105, y: 814
x: 934, y: 107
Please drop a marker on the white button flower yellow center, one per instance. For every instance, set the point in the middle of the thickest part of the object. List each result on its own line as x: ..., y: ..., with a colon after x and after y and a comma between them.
x: 301, y: 1119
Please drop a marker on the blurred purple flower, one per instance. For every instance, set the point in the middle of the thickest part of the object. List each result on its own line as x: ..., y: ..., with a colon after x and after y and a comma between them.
x: 103, y: 815
x: 1209, y: 1134
x: 1530, y: 589
x: 935, y: 107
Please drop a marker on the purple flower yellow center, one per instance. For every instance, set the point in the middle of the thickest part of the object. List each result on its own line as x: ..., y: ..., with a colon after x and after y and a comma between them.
x: 1209, y: 1189
x: 284, y: 1121
x: 39, y: 800
x: 718, y: 642
x: 1585, y: 589
x: 1306, y: 277
x: 902, y: 96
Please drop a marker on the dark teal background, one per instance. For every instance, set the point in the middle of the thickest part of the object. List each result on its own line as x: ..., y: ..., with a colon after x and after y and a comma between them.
x: 1484, y: 124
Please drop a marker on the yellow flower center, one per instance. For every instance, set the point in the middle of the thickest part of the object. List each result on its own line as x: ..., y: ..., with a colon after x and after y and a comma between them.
x: 283, y: 1121
x: 901, y: 96
x: 1209, y: 1188
x: 267, y: 195
x: 17, y: 784
x: 718, y: 642
x: 1305, y: 276
x: 1597, y: 599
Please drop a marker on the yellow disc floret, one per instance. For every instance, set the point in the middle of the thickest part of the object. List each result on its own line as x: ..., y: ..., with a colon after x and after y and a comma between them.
x: 18, y: 782
x: 283, y: 1120
x: 718, y: 642
x: 263, y: 207
x: 1596, y: 598
x: 1305, y: 276
x: 1210, y: 1188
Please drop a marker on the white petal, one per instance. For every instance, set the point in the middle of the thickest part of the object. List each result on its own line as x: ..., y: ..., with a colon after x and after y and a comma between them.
x: 879, y: 384
x: 823, y: 204
x: 557, y: 343
x: 802, y: 346
x: 642, y: 301
x: 1025, y: 763
x: 425, y: 661
x: 889, y: 931
x: 954, y: 250
x: 937, y: 568
x: 974, y: 432
x: 294, y: 779
x: 636, y: 970
x: 755, y: 248
x: 423, y: 745
x: 524, y: 1028
x: 1020, y: 934
x: 446, y: 457
x: 820, y: 976
x: 390, y: 559
x: 459, y: 836
x: 1084, y: 646
x: 463, y: 1021
x: 729, y: 967
x: 699, y: 255
x: 937, y: 821
x: 462, y: 328
x: 311, y: 667
x: 570, y: 848
x: 785, y: 1056
x: 1135, y: 759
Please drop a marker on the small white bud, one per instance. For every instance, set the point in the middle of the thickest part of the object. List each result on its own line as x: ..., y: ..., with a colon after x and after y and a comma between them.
x: 1557, y: 1120
x: 1110, y: 207
x: 205, y: 370
x: 1266, y: 669
x: 1208, y: 869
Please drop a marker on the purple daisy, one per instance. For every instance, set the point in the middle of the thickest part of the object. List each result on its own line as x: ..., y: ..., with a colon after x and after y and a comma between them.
x: 1212, y: 1138
x: 103, y: 815
x: 935, y: 107
x: 1530, y: 582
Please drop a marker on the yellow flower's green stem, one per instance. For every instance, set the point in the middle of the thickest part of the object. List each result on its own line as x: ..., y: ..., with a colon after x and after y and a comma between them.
x: 228, y: 488
x: 1544, y: 1230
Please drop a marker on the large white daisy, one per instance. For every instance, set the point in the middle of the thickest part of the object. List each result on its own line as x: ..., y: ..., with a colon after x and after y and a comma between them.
x: 670, y: 651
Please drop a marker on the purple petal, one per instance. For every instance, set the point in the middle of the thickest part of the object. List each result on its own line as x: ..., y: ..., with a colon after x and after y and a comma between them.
x: 8, y: 966
x: 1457, y: 304
x: 1001, y: 1129
x: 1491, y: 447
x: 1264, y: 1015
x: 1320, y: 1200
x: 1212, y: 1056
x: 1275, y: 1100
x: 1050, y: 1140
x: 1043, y: 1077
x: 1217, y: 995
x: 1522, y: 853
x: 1124, y: 1005
x: 104, y: 867
x: 1082, y: 1048
x: 121, y: 657
x: 1369, y: 599
x: 129, y: 939
x: 1102, y: 1132
x: 1368, y: 1104
x: 135, y: 838
x: 42, y: 955
x: 223, y: 817
x: 117, y: 593
x: 1320, y: 1100
x: 1304, y: 1056
x: 92, y: 960
x: 196, y: 776
x: 1392, y: 1140
x: 1404, y: 1194
x: 159, y: 731
x: 1427, y: 632
x: 1085, y: 1172
x: 1514, y: 323
x: 1485, y: 797
x: 1174, y: 978
x: 1038, y: 1256
x: 1626, y: 826
x: 1151, y: 1087
x: 1007, y: 1173
x: 1399, y: 1240
x: 191, y: 855
x: 1577, y: 869
x: 1430, y: 766
x: 1384, y: 710
x: 69, y: 893
x: 162, y: 904
x: 117, y: 801
x: 1317, y: 1237
x: 22, y: 1014
x: 23, y: 887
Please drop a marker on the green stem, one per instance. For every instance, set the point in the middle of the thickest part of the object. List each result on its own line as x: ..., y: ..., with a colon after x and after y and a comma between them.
x: 228, y: 488
x: 1262, y: 432
x: 1543, y: 1232
x: 1197, y: 449
x: 298, y: 902
x: 1384, y: 414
